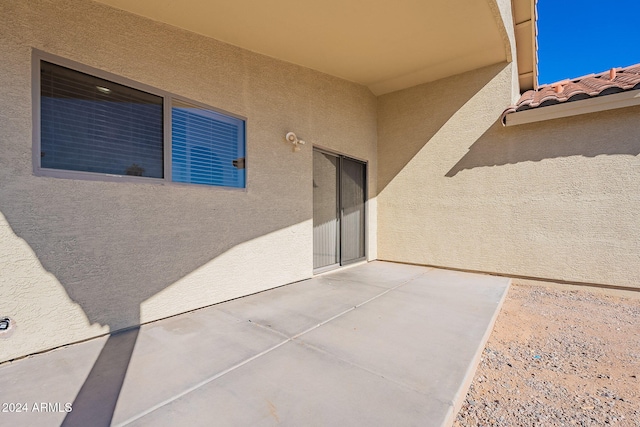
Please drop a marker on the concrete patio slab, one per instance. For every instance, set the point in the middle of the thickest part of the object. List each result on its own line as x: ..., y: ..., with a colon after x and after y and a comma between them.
x: 374, y: 344
x: 299, y: 386
x: 381, y: 274
x: 418, y: 335
x: 321, y: 298
x: 174, y: 355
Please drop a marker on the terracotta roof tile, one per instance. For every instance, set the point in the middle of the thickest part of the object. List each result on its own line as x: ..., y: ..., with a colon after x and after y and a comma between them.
x: 584, y: 87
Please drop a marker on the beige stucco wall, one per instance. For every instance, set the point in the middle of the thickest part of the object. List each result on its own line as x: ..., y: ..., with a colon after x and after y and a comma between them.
x: 503, y: 13
x: 555, y: 200
x: 80, y: 258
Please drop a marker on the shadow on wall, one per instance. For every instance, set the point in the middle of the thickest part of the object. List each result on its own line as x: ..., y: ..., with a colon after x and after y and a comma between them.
x: 612, y: 132
x: 419, y: 113
x: 112, y: 246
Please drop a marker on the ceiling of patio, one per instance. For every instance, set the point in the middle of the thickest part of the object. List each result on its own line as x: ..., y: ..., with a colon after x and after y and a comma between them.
x: 385, y: 45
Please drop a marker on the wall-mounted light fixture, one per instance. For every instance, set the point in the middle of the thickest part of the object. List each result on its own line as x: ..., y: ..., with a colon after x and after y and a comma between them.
x: 7, y: 327
x: 292, y: 138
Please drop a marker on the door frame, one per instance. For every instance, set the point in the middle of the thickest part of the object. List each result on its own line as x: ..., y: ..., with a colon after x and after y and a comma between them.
x: 340, y: 212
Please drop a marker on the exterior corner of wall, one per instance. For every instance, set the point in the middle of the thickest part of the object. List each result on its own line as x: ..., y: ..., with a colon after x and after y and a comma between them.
x: 503, y: 15
x: 372, y: 235
x: 503, y: 9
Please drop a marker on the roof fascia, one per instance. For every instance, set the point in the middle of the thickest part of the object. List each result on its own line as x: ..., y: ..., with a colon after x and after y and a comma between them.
x: 573, y: 108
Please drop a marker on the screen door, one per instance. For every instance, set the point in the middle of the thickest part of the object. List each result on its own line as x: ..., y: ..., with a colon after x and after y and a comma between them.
x: 339, y: 198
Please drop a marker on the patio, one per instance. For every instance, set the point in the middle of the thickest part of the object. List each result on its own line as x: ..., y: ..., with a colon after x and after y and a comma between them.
x: 373, y: 344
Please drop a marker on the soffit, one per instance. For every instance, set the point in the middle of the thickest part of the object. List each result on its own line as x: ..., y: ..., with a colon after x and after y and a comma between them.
x: 526, y: 31
x: 381, y: 44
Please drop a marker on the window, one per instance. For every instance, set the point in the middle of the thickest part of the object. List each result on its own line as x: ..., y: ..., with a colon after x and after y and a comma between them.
x: 96, y: 127
x: 205, y: 146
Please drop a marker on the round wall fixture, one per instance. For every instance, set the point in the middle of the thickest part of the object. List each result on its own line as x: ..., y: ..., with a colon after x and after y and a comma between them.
x: 292, y: 138
x: 7, y: 326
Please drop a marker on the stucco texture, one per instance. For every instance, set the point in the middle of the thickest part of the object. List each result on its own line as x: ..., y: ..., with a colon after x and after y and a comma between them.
x: 79, y: 258
x: 553, y: 200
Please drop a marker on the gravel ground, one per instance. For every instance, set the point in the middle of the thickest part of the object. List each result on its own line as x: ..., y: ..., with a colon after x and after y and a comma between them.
x: 559, y: 358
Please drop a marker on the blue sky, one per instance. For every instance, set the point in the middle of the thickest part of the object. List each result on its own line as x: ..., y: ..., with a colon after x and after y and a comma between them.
x: 576, y: 38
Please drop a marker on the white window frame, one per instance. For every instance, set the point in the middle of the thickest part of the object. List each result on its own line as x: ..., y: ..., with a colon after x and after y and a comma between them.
x: 167, y: 97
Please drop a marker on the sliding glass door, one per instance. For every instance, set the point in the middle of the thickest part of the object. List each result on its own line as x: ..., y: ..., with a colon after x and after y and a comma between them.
x: 339, y: 196
x: 352, y: 199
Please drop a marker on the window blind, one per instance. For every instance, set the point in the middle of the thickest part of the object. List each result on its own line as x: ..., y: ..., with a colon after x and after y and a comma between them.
x: 207, y: 147
x: 94, y: 125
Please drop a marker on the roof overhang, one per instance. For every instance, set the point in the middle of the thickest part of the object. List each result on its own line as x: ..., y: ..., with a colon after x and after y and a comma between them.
x: 574, y: 108
x: 383, y: 45
x: 525, y: 16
